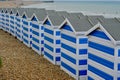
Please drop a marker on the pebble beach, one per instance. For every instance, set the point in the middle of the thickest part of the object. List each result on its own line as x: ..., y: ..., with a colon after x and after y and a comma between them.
x: 22, y: 63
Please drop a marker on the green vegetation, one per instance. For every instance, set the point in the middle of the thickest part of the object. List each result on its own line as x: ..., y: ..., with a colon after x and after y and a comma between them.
x: 0, y: 62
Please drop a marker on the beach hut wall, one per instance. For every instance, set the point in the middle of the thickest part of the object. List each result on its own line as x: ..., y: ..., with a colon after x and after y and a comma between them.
x: 12, y: 22
x: 26, y: 21
x: 18, y: 23
x: 38, y: 30
x: 104, y: 50
x: 7, y: 20
x: 52, y: 36
x: 74, y: 45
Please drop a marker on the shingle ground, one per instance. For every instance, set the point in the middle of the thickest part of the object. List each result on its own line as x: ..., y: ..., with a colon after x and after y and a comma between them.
x: 22, y: 63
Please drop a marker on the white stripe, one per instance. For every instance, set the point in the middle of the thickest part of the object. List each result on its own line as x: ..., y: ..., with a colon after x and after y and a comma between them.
x: 94, y: 76
x: 49, y: 27
x: 48, y: 43
x: 49, y: 35
x: 68, y: 53
x: 68, y: 43
x: 83, y: 67
x: 101, y: 41
x: 101, y: 54
x: 69, y: 33
x: 69, y: 63
x: 48, y: 51
x: 101, y: 67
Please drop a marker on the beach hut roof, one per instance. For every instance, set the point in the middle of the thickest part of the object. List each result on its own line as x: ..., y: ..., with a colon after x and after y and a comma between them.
x: 111, y: 27
x: 54, y: 19
x: 95, y: 19
x: 63, y: 13
x: 14, y: 11
x: 50, y: 12
x: 29, y: 12
x: 77, y: 15
x: 77, y: 24
x: 40, y: 14
x: 20, y: 11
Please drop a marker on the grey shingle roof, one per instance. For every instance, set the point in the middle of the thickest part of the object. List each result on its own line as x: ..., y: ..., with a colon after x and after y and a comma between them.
x: 50, y: 12
x: 80, y: 24
x: 40, y: 14
x: 56, y: 20
x: 63, y: 13
x: 112, y: 25
x: 21, y: 11
x: 77, y: 15
x: 95, y: 19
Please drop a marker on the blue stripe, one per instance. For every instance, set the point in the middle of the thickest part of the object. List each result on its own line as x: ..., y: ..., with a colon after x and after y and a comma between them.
x: 12, y: 31
x: 35, y: 46
x: 68, y: 67
x: 119, y: 66
x: 35, y: 26
x: 24, y: 34
x: 18, y: 19
x: 90, y: 78
x: 12, y: 26
x: 48, y: 31
x: 48, y: 55
x: 11, y: 17
x: 48, y: 47
x: 119, y: 53
x: 99, y: 34
x: 82, y: 72
x: 69, y: 48
x: 118, y: 78
x: 57, y: 50
x: 26, y: 41
x: 18, y: 30
x: 69, y: 38
x: 57, y: 58
x: 18, y: 36
x: 48, y: 39
x: 34, y: 39
x: 34, y: 32
x: 83, y: 41
x: 83, y: 62
x: 82, y: 51
x: 67, y: 27
x: 12, y: 22
x: 25, y: 22
x: 101, y: 61
x: 101, y: 48
x: 69, y: 58
x: 100, y: 73
x: 24, y: 28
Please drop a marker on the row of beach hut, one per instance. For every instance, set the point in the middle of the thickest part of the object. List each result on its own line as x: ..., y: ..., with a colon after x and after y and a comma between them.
x: 85, y: 47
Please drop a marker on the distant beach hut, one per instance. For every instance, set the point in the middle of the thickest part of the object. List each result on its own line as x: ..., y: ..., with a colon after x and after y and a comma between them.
x: 0, y: 18
x: 4, y: 19
x: 74, y: 46
x: 52, y: 36
x: 104, y: 50
x: 18, y: 23
x: 12, y: 22
x: 38, y: 30
x: 7, y: 19
x: 27, y: 32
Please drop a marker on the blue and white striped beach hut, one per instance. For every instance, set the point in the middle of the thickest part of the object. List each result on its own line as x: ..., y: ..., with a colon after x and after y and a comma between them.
x: 7, y: 19
x: 12, y: 22
x: 18, y: 23
x: 104, y: 50
x: 27, y: 32
x: 52, y: 36
x: 0, y: 18
x: 74, y: 46
x: 3, y: 20
x: 38, y: 30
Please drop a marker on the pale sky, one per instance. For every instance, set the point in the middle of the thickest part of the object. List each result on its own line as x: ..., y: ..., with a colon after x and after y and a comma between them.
x: 86, y: 0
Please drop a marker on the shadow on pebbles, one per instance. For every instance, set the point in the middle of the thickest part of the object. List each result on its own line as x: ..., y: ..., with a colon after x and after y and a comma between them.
x: 22, y: 63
